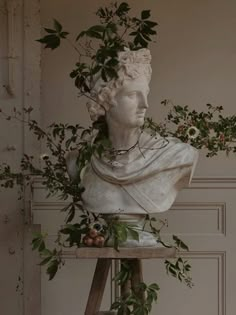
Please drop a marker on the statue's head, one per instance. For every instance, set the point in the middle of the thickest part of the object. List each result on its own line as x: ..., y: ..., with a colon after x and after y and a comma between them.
x: 124, y: 99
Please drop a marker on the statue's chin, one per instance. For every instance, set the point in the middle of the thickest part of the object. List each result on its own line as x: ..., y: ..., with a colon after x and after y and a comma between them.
x: 135, y: 123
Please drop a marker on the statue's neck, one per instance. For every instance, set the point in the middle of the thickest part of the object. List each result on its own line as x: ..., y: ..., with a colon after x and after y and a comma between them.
x: 123, y: 138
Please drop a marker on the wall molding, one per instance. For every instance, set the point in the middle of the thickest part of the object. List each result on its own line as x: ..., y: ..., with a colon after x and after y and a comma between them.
x: 227, y: 182
x: 220, y: 257
x: 218, y: 207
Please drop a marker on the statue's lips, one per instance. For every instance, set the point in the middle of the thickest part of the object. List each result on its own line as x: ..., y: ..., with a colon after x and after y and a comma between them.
x: 141, y: 114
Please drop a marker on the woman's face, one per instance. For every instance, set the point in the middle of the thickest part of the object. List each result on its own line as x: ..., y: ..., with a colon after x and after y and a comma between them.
x: 129, y: 104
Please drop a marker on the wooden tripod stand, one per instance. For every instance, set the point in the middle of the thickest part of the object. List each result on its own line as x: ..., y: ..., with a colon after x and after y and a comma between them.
x: 104, y: 258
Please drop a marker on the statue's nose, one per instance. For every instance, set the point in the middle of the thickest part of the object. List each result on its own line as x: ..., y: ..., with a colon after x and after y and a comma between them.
x: 144, y: 102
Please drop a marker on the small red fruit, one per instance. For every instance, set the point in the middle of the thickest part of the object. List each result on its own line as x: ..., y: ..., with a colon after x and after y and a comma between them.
x: 88, y: 241
x: 99, y: 241
x: 93, y: 233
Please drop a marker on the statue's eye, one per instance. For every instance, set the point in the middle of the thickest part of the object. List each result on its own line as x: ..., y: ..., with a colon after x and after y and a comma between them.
x: 132, y: 94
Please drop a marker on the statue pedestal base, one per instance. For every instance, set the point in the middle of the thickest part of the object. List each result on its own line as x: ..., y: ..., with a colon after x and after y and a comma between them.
x: 136, y: 221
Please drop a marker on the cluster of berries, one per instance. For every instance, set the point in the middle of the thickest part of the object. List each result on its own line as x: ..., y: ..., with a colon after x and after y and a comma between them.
x: 94, y: 237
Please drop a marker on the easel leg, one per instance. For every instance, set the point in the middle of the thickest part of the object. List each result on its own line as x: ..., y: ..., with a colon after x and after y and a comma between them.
x: 98, y: 286
x: 137, y: 277
x: 135, y: 280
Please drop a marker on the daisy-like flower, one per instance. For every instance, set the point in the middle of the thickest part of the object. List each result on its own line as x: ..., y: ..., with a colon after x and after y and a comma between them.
x: 193, y: 132
x: 44, y: 156
x: 97, y: 226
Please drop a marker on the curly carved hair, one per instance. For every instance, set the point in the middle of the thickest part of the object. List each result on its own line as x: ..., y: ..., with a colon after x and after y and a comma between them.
x: 132, y: 64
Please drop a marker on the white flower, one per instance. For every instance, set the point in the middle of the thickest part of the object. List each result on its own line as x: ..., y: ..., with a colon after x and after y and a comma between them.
x: 44, y: 156
x: 96, y: 225
x: 193, y: 132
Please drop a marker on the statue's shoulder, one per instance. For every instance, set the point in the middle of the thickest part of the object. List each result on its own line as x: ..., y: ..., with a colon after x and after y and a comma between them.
x: 183, y: 149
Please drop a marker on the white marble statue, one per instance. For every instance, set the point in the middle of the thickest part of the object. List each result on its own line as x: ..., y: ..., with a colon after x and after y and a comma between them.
x: 147, y: 171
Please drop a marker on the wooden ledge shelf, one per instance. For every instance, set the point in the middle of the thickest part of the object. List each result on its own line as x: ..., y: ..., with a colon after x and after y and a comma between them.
x: 132, y: 253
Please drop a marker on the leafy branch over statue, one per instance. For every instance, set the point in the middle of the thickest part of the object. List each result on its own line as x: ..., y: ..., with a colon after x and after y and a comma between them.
x: 98, y: 46
x: 125, y: 167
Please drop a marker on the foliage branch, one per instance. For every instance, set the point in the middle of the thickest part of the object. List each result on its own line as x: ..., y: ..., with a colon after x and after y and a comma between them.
x: 98, y: 46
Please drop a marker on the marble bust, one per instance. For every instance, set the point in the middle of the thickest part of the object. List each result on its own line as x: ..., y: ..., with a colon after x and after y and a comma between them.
x: 148, y: 170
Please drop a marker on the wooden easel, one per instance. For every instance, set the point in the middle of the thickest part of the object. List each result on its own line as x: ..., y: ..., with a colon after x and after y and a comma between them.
x: 104, y: 258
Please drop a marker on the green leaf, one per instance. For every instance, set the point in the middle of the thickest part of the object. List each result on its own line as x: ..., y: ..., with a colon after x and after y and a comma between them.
x: 52, y: 269
x: 148, y: 30
x: 48, y: 30
x: 36, y: 243
x: 151, y: 24
x: 133, y: 233
x: 103, y: 74
x: 94, y: 34
x: 145, y: 14
x: 139, y: 40
x: 180, y: 243
x: 57, y: 25
x: 173, y: 271
x: 146, y: 37
x: 81, y: 34
x: 110, y: 72
x: 115, y: 305
x: 45, y: 261
x: 112, y: 62
x: 46, y: 252
x: 95, y: 31
x: 65, y: 231
x: 121, y: 232
x: 63, y: 34
x: 96, y: 69
x: 133, y: 33
x: 50, y: 41
x: 97, y: 28
x: 154, y: 286
x: 42, y: 246
x: 122, y: 9
x: 111, y: 29
x: 71, y: 214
